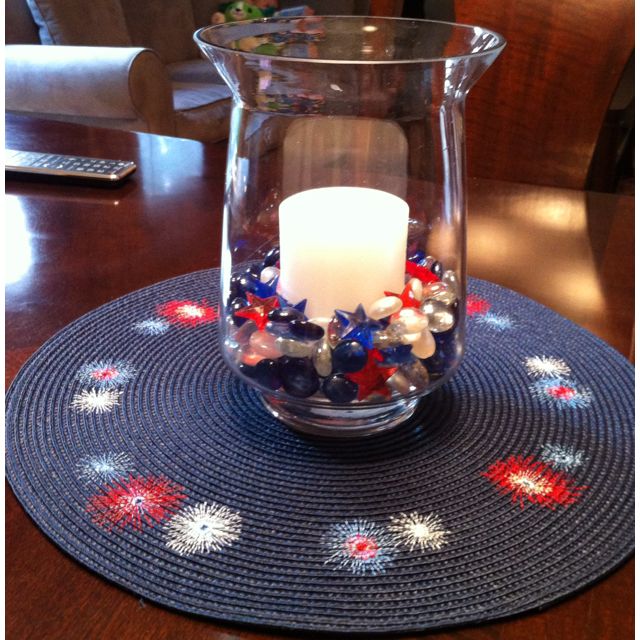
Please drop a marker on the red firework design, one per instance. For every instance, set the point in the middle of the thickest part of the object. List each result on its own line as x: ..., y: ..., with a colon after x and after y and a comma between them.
x: 532, y: 480
x: 361, y: 547
x: 561, y: 392
x: 187, y: 312
x: 107, y: 373
x: 477, y: 306
x: 135, y: 502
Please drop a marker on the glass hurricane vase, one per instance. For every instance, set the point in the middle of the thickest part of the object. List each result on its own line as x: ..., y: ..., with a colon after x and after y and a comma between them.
x: 343, y: 256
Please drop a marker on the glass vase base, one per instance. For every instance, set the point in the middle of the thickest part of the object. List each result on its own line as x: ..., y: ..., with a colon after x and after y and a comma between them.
x: 340, y: 422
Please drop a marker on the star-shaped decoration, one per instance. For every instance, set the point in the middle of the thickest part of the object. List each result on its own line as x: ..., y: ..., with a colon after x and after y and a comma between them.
x: 396, y: 355
x: 358, y: 326
x: 422, y: 273
x: 407, y: 296
x: 373, y: 377
x: 258, y: 309
x: 300, y: 306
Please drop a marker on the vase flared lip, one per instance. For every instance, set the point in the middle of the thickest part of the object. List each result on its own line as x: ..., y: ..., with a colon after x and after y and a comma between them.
x: 493, y: 49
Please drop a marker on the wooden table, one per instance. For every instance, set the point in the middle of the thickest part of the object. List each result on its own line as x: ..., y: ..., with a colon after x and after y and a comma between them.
x: 71, y: 249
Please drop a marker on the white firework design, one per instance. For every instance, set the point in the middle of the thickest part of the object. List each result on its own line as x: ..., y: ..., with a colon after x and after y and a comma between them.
x: 106, y: 374
x: 152, y: 326
x: 360, y: 546
x: 202, y: 528
x: 96, y: 400
x: 416, y: 530
x: 497, y: 321
x: 547, y: 367
x: 104, y: 467
x: 562, y: 458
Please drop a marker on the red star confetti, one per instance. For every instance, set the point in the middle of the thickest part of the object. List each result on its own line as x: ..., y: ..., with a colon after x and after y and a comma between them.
x: 534, y: 481
x: 188, y: 313
x: 372, y: 378
x: 135, y: 502
x: 422, y: 273
x: 258, y: 309
x: 407, y: 296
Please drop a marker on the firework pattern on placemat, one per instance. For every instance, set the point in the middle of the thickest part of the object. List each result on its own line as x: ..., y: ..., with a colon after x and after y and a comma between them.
x: 136, y: 450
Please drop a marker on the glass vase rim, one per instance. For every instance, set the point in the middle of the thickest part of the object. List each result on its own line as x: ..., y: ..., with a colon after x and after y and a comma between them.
x: 493, y: 49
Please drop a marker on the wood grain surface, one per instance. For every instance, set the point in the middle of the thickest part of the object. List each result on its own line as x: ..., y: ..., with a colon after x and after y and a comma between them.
x: 73, y: 248
x: 536, y: 114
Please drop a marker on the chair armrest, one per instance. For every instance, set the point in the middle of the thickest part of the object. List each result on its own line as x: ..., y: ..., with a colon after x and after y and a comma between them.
x: 115, y: 83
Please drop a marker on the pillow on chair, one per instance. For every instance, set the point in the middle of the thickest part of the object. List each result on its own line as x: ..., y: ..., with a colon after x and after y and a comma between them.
x: 78, y: 22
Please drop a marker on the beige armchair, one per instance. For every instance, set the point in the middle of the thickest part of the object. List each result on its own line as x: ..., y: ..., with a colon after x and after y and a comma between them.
x: 125, y: 65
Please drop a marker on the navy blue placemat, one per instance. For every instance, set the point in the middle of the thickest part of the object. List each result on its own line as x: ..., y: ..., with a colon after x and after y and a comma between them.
x: 133, y: 447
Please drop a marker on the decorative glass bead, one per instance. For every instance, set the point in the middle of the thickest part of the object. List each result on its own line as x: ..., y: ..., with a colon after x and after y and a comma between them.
x: 265, y: 344
x: 338, y: 389
x: 416, y: 288
x: 416, y: 372
x: 412, y: 320
x: 285, y: 315
x: 306, y: 330
x: 244, y: 333
x: 268, y: 274
x: 441, y: 316
x: 299, y: 377
x: 451, y: 280
x: 322, y: 358
x: 250, y: 357
x: 349, y: 356
x: 294, y: 348
x: 272, y: 257
x: 267, y: 373
x: 425, y: 345
x: 384, y: 307
x: 439, y: 291
x: 400, y: 383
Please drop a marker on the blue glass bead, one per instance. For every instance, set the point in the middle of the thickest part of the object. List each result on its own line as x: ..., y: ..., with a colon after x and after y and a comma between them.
x: 306, y: 330
x: 299, y: 377
x: 338, y: 389
x: 396, y: 355
x: 236, y: 305
x: 252, y: 284
x: 267, y: 373
x: 236, y: 289
x: 444, y: 357
x: 254, y: 270
x: 436, y: 268
x: 285, y: 315
x: 272, y: 257
x: 349, y: 356
x: 247, y: 370
x: 418, y: 256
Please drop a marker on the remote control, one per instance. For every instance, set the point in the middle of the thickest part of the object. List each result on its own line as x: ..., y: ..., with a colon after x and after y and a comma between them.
x: 61, y: 166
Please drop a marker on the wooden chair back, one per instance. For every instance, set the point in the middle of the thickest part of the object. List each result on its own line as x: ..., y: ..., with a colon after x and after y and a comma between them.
x: 536, y: 114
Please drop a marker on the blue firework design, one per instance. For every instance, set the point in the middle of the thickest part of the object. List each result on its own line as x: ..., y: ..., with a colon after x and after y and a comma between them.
x: 152, y: 326
x: 106, y: 374
x: 561, y: 392
x: 562, y: 458
x: 497, y: 321
x: 104, y: 467
x: 362, y: 547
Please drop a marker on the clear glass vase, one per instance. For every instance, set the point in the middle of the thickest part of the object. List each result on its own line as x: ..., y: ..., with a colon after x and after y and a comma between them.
x: 343, y: 253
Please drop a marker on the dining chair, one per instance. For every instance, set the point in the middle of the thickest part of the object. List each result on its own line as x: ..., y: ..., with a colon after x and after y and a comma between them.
x: 536, y: 115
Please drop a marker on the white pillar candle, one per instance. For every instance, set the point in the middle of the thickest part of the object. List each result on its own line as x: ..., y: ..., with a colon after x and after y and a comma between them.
x: 341, y: 246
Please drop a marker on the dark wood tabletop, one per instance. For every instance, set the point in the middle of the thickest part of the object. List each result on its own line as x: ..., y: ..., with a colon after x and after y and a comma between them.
x: 71, y: 249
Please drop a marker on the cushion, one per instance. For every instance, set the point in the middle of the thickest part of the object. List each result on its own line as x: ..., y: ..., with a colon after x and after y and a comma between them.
x: 195, y: 95
x: 166, y: 26
x: 194, y: 71
x: 77, y: 22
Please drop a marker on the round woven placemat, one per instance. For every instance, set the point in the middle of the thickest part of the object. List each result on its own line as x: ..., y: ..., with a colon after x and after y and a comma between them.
x: 134, y: 448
